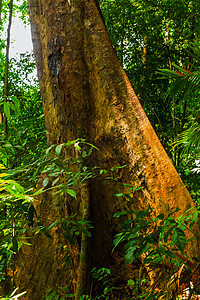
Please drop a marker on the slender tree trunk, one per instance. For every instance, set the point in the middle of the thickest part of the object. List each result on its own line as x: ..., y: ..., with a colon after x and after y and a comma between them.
x: 5, y: 91
x: 144, y: 63
x: 0, y: 10
x: 86, y: 93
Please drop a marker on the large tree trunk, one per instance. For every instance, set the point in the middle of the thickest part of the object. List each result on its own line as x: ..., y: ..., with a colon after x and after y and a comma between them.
x: 86, y: 94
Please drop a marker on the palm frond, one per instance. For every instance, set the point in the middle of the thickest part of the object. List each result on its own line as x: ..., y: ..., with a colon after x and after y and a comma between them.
x: 189, y: 140
x: 185, y: 84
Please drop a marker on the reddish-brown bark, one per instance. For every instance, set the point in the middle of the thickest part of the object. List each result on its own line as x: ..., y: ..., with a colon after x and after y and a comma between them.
x: 86, y: 93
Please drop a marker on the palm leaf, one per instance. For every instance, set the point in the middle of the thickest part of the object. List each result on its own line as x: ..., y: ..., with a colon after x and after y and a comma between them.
x: 185, y: 84
x: 190, y: 139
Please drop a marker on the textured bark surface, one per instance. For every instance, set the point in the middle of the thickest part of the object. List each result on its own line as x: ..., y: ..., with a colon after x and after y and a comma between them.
x: 86, y: 93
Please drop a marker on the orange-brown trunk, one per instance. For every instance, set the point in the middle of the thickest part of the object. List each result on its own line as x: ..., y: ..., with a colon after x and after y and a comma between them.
x: 87, y: 94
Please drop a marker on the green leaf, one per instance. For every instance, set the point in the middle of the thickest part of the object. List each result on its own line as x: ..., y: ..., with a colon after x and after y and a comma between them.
x: 58, y: 149
x: 7, y: 109
x: 71, y: 193
x: 130, y: 282
x: 55, y: 181
x: 194, y: 219
x: 12, y: 106
x: 137, y: 189
x: 118, y: 238
x: 49, y: 149
x: 51, y: 296
x: 84, y: 154
x: 129, y: 256
x: 179, y: 238
x: 45, y: 181
x: 52, y: 225
x: 119, y: 214
x: 90, y: 151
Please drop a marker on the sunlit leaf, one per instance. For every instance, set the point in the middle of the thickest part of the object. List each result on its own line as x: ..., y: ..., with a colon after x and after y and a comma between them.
x: 58, y: 149
x: 71, y: 192
x: 45, y: 181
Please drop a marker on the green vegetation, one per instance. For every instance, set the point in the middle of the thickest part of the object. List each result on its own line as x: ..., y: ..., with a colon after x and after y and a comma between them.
x: 158, y: 44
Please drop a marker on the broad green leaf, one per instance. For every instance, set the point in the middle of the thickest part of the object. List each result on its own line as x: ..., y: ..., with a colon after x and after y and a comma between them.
x: 130, y: 245
x: 7, y: 109
x: 45, y: 181
x: 129, y: 256
x: 179, y: 238
x: 12, y: 106
x: 58, y: 149
x: 71, y: 193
